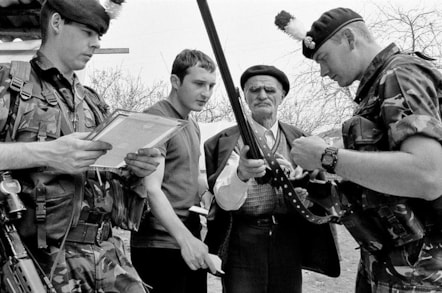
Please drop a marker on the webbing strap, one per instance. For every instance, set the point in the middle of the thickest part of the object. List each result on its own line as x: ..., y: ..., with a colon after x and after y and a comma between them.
x: 40, y: 215
x: 21, y: 69
x: 65, y: 125
x: 20, y: 73
x: 280, y: 180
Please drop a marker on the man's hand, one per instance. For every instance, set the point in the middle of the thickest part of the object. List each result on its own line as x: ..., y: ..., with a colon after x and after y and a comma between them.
x: 196, y: 255
x: 73, y: 153
x: 302, y: 195
x: 144, y: 162
x: 307, y: 151
x: 249, y: 168
x: 287, y: 167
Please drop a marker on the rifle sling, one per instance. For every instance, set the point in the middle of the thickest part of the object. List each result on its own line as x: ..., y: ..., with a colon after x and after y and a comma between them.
x: 280, y: 180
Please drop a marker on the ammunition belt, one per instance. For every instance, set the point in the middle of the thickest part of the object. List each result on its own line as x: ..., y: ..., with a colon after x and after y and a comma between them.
x: 90, y: 233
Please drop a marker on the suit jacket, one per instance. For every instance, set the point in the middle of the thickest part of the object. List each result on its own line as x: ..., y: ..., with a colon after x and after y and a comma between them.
x: 320, y: 253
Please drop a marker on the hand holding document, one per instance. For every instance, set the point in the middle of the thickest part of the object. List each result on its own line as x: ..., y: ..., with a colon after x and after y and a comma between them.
x: 129, y: 131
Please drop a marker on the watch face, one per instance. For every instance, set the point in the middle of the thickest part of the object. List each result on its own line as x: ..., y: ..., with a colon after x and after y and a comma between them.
x: 327, y: 160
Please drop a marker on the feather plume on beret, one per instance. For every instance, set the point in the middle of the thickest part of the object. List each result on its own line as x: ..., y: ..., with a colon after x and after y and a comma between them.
x: 322, y: 29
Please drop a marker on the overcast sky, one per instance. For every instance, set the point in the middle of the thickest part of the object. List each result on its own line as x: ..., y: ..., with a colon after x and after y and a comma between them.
x: 155, y: 31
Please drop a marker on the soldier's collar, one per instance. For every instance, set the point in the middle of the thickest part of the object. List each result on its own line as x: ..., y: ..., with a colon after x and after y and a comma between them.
x: 374, y: 69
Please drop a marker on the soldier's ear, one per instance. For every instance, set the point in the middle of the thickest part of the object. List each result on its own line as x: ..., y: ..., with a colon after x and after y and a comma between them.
x: 56, y: 22
x: 349, y: 37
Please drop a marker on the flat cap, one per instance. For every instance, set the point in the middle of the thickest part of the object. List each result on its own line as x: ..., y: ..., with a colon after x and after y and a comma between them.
x: 88, y: 12
x: 266, y: 70
x: 326, y: 27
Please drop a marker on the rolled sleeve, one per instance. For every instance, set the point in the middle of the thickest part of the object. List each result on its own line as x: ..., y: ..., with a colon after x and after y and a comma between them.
x: 414, y: 125
x: 410, y: 104
x: 230, y: 191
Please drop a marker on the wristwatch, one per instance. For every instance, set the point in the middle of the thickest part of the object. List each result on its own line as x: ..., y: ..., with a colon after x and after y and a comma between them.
x: 329, y: 159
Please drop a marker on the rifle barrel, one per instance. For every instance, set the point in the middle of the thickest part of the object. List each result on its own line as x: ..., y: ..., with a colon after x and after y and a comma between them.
x: 232, y: 92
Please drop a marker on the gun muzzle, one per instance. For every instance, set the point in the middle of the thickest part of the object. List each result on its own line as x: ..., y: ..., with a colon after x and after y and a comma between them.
x: 11, y: 188
x: 15, y: 206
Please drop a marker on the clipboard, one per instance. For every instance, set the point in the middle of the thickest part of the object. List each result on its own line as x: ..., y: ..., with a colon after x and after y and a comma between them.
x: 128, y: 131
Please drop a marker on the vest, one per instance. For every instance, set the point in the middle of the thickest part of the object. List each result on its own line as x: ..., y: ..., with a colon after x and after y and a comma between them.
x: 264, y: 199
x: 398, y: 231
x: 34, y: 111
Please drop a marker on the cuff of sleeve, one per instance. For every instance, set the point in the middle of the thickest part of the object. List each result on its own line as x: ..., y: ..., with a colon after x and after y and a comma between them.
x: 236, y: 180
x: 413, y: 125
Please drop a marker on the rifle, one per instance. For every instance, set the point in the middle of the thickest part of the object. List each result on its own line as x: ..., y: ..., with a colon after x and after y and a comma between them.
x: 232, y: 91
x: 280, y: 181
x: 18, y: 270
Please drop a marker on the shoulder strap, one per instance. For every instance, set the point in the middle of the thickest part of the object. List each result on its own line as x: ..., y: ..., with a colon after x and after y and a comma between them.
x: 19, y: 84
x: 97, y: 104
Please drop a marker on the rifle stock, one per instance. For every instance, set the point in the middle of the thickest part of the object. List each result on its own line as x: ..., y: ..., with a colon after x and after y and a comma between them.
x: 19, y: 272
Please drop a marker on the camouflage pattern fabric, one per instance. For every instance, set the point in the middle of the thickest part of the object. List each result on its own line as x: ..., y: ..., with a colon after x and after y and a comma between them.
x: 81, y: 267
x: 401, y: 93
x: 404, y: 99
x: 92, y: 268
x: 424, y: 276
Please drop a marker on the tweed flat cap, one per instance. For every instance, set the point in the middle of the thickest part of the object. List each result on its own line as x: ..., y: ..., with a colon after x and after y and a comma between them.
x: 88, y: 12
x: 266, y: 70
x: 326, y: 27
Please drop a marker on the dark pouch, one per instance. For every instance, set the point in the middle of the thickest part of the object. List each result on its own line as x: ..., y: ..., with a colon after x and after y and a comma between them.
x: 359, y: 133
x: 128, y: 206
x: 367, y: 233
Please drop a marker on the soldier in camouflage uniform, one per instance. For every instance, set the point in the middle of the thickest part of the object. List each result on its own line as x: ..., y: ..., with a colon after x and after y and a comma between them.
x: 68, y: 221
x: 392, y: 155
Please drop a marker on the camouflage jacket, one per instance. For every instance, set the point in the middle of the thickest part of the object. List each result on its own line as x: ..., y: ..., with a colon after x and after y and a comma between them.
x: 38, y: 117
x: 400, y: 94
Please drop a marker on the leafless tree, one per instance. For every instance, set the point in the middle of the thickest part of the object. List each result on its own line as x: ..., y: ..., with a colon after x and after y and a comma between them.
x: 314, y: 104
x: 418, y: 29
x: 319, y: 104
x: 125, y: 91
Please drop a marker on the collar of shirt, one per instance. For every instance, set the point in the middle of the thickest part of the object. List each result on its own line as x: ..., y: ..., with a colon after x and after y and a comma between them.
x: 262, y: 129
x: 68, y: 88
x: 374, y: 67
x: 47, y: 67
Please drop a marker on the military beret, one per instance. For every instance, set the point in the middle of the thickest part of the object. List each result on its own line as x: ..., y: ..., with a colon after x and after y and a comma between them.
x: 88, y: 12
x: 266, y: 70
x: 326, y: 27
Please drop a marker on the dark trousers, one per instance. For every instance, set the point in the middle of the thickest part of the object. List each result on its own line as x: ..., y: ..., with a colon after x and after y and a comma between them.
x: 165, y: 270
x: 263, y: 258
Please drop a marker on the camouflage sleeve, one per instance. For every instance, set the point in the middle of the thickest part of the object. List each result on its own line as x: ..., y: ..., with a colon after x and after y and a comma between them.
x: 410, y: 103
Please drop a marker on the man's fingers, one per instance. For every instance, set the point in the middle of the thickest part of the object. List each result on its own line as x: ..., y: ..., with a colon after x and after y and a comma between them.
x: 98, y: 145
x: 150, y: 152
x: 243, y: 151
x: 211, y: 266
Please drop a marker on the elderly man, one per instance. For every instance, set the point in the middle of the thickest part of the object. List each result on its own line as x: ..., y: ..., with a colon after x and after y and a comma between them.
x: 392, y: 157
x: 269, y: 243
x: 45, y: 118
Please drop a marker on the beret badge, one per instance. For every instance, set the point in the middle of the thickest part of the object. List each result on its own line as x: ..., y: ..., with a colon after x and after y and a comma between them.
x: 309, y: 43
